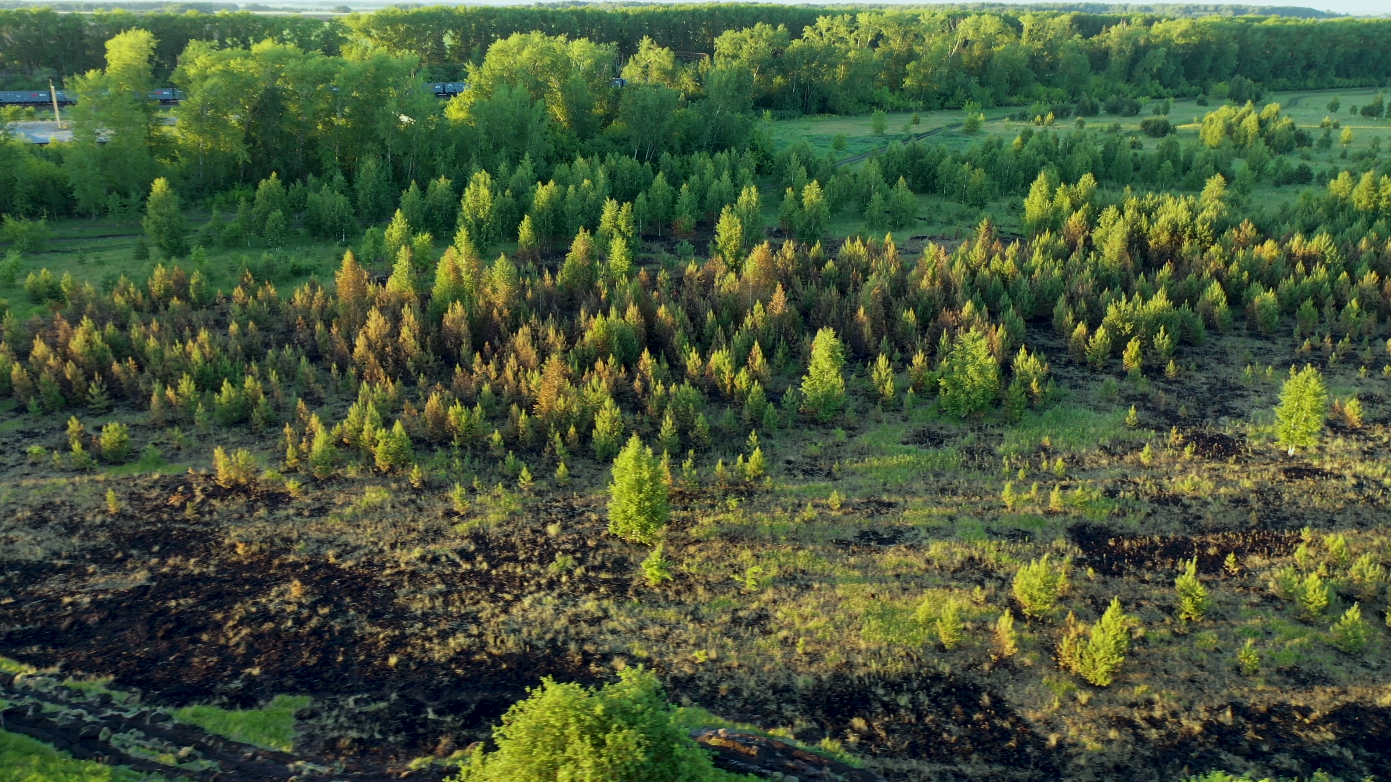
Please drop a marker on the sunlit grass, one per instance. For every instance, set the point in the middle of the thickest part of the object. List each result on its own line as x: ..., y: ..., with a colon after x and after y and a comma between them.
x: 23, y: 759
x: 272, y: 727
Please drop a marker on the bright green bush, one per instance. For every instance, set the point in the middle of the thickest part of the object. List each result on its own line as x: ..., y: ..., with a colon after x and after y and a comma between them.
x: 622, y: 732
x: 115, y: 442
x: 1037, y: 586
x: 1100, y: 656
x: 1351, y: 633
x: 1193, y: 601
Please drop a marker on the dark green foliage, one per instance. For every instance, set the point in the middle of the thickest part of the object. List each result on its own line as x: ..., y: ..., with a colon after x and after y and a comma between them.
x: 164, y: 221
x: 969, y: 376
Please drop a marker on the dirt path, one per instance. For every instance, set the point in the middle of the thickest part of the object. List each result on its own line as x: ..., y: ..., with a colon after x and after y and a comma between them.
x: 918, y: 137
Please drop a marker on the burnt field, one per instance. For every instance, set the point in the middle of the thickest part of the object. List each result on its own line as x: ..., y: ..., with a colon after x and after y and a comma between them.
x: 809, y: 603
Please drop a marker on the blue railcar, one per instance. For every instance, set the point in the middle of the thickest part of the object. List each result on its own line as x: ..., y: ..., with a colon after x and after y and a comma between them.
x: 41, y: 98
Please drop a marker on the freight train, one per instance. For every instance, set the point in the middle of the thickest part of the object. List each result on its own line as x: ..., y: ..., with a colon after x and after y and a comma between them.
x: 169, y: 97
x: 41, y: 98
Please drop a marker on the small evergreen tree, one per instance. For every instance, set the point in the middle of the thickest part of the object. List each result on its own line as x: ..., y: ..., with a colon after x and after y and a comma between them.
x: 638, y: 504
x: 656, y: 567
x: 1037, y: 586
x: 1303, y: 407
x: 115, y: 443
x: 393, y: 448
x: 608, y: 430
x: 1102, y: 657
x: 823, y: 388
x: 883, y: 377
x: 1193, y: 601
x: 164, y: 221
x: 970, y: 378
x: 1006, y: 639
x: 1350, y: 633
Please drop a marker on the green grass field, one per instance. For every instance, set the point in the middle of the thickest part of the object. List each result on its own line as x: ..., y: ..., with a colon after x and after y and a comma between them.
x: 23, y: 759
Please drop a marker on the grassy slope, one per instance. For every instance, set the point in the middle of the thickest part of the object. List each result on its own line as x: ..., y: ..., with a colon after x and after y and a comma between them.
x: 23, y: 759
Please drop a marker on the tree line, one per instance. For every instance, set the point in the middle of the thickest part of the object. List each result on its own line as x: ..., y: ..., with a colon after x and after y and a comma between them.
x: 803, y: 59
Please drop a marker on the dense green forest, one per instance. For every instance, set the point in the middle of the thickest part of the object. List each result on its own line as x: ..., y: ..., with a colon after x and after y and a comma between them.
x: 706, y: 391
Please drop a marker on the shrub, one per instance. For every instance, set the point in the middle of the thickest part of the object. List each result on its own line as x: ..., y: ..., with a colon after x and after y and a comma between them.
x: 970, y: 378
x: 656, y: 567
x: 1158, y: 127
x: 1193, y: 602
x: 1005, y: 637
x: 1350, y: 633
x: 1037, y: 586
x: 823, y: 388
x: 949, y: 627
x: 239, y: 469
x: 622, y: 732
x: 115, y: 443
x: 1303, y: 407
x: 393, y: 451
x: 638, y: 503
x: 1101, y: 656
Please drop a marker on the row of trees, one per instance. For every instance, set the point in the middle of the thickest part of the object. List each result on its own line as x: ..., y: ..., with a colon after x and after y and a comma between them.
x: 801, y: 59
x: 519, y: 354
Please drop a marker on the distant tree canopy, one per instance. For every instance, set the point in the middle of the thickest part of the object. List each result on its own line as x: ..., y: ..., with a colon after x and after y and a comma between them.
x: 802, y: 57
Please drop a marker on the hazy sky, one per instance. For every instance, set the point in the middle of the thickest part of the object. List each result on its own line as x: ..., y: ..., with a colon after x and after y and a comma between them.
x: 1358, y: 7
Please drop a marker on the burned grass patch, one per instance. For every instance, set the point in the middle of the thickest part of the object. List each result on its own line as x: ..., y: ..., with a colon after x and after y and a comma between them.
x: 1117, y: 554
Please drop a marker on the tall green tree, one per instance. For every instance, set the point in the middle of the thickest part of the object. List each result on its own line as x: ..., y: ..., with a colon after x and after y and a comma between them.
x: 164, y: 221
x: 638, y: 503
x: 115, y: 128
x: 823, y: 387
x: 970, y: 377
x: 1302, y: 410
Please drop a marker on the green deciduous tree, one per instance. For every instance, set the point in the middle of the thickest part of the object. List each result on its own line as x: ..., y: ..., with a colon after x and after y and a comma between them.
x: 638, y: 504
x: 815, y: 213
x: 164, y: 221
x: 623, y: 732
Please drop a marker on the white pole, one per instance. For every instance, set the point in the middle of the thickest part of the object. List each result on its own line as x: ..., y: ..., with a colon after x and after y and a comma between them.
x: 52, y: 93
